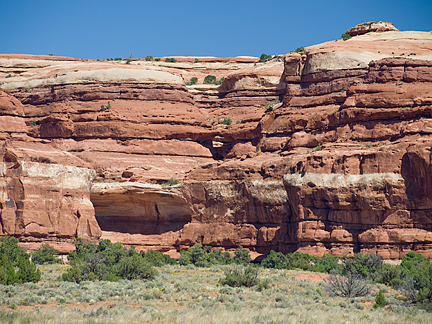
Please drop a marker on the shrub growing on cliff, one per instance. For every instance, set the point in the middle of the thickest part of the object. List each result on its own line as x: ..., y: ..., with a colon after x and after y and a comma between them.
x: 45, y: 255
x: 192, y: 81
x: 149, y: 58
x: 170, y: 182
x: 300, y: 49
x: 170, y: 60
x: 227, y: 121
x: 210, y: 79
x: 346, y: 37
x: 265, y: 57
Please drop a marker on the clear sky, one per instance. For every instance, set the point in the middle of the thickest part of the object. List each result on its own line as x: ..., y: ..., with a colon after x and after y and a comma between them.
x: 109, y: 29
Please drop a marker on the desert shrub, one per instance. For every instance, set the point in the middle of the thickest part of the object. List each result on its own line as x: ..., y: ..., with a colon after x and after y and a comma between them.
x: 391, y: 275
x: 201, y: 256
x: 220, y: 81
x: 264, y: 57
x: 7, y: 271
x: 45, y: 255
x: 170, y: 182
x: 118, y: 59
x: 192, y: 81
x: 157, y: 59
x: 350, y: 285
x: 103, y: 261
x: 219, y: 257
x: 210, y: 79
x: 135, y: 267
x: 241, y: 256
x: 364, y: 265
x: 198, y: 256
x: 157, y: 258
x: 379, y: 299
x: 108, y: 106
x: 170, y: 60
x: 27, y: 271
x: 12, y: 255
x: 346, y: 37
x: 300, y: 49
x: 318, y: 148
x: 82, y: 249
x: 275, y: 260
x: 327, y: 264
x: 8, y: 76
x: 418, y: 275
x: 299, y: 260
x: 9, y: 247
x: 227, y: 121
x: 239, y: 276
x: 196, y: 60
x: 149, y: 58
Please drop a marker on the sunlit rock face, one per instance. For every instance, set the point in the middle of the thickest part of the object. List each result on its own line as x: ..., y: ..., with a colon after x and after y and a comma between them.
x: 322, y: 151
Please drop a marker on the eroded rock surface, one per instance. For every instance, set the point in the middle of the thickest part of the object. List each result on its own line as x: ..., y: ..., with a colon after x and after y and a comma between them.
x: 325, y: 151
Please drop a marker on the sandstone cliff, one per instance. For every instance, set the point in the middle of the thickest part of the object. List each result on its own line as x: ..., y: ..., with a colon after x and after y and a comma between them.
x: 324, y: 151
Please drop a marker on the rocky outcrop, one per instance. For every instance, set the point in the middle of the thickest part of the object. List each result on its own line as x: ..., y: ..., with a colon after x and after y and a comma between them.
x: 374, y: 26
x: 325, y: 151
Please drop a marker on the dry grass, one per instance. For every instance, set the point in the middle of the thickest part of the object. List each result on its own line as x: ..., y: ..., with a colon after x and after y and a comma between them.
x: 189, y: 294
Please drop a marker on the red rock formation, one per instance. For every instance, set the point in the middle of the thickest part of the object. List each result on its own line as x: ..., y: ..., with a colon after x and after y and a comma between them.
x: 341, y: 165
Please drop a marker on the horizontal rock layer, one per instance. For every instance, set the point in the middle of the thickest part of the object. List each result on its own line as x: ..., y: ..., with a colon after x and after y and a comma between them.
x: 131, y: 153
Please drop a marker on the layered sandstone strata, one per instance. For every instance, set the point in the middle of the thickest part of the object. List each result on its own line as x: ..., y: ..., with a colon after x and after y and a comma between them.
x: 341, y: 165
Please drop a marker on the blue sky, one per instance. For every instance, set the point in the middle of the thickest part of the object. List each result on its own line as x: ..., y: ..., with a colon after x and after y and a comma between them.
x: 109, y: 29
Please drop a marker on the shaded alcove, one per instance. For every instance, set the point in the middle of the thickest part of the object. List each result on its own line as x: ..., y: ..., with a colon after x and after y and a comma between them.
x: 146, y: 213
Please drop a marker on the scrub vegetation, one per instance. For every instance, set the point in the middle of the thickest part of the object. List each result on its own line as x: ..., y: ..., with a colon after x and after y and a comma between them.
x: 108, y: 283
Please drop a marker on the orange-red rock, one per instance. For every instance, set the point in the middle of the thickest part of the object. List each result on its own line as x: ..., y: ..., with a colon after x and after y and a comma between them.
x: 131, y: 153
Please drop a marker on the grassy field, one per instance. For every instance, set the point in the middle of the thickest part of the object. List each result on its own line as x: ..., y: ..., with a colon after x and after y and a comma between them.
x: 188, y: 294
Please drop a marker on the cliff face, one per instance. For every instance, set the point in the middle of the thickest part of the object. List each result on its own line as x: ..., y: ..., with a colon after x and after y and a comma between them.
x: 340, y: 163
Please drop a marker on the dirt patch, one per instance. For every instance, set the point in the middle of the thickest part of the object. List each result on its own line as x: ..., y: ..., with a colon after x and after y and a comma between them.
x: 314, y: 277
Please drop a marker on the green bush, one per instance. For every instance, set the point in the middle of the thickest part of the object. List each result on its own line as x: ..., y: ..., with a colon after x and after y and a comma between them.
x: 170, y: 60
x: 275, y: 260
x: 8, y: 76
x: 220, y: 81
x: 149, y: 58
x: 157, y: 258
x: 346, y: 37
x: 239, y: 276
x: 7, y: 271
x: 9, y: 247
x: 27, y: 271
x: 210, y: 79
x: 265, y: 57
x: 268, y: 108
x: 135, y: 267
x: 364, y: 265
x: 45, y: 255
x: 196, y: 60
x: 12, y: 255
x: 300, y: 49
x: 380, y: 300
x: 192, y: 81
x: 105, y: 261
x: 227, y: 121
x: 241, y: 256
